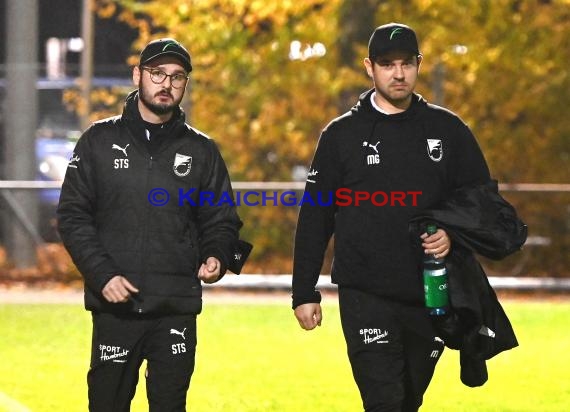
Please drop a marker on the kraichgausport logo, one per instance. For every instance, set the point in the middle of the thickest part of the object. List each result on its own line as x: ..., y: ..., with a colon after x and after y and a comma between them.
x: 341, y: 197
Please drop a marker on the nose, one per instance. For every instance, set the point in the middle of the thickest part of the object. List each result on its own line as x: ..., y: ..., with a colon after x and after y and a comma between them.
x: 167, y: 82
x: 399, y: 71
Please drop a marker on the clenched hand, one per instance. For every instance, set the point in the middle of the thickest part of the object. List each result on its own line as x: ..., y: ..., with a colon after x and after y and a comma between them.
x: 209, y: 272
x: 309, y: 315
x: 118, y: 289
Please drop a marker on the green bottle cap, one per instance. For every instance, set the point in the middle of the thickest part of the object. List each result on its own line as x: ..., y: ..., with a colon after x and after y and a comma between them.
x: 431, y: 229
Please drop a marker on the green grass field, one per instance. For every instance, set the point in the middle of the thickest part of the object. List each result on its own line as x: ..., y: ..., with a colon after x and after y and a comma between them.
x: 254, y: 357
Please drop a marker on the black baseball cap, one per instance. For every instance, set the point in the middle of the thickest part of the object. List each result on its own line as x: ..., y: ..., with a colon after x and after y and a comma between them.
x: 166, y: 47
x: 390, y: 37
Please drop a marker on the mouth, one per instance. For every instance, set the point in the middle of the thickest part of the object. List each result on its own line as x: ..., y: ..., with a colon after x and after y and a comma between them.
x: 164, y: 95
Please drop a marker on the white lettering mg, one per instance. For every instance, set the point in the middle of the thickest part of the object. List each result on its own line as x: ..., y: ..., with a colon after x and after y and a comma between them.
x: 373, y: 159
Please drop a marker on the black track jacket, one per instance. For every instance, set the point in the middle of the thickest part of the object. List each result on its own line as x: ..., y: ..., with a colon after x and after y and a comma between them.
x: 404, y: 163
x: 109, y: 225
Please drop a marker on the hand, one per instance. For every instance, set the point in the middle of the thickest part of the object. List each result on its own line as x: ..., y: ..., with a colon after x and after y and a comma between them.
x: 118, y: 289
x: 209, y: 272
x: 438, y: 244
x: 309, y: 315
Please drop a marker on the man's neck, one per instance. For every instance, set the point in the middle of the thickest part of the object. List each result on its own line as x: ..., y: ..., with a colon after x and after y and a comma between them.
x: 389, y: 107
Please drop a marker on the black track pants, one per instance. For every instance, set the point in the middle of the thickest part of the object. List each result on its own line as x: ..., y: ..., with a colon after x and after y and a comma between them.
x: 119, y: 346
x: 392, y: 350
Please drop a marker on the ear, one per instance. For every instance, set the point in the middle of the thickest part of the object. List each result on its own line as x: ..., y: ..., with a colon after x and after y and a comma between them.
x: 136, y: 75
x: 369, y: 66
x: 420, y: 58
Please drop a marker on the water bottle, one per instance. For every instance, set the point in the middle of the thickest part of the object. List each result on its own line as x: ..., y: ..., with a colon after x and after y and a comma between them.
x: 435, y: 281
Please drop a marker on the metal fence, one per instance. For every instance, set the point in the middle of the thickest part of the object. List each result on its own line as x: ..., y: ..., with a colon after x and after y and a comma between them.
x: 543, y: 264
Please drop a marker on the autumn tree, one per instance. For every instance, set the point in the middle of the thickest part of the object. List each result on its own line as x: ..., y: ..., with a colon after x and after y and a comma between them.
x: 501, y: 65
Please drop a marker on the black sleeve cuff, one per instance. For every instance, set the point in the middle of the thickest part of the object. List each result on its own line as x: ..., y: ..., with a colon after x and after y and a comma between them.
x: 240, y: 254
x: 298, y: 300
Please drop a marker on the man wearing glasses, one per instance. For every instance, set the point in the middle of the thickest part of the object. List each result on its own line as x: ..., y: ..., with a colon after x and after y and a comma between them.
x: 131, y: 218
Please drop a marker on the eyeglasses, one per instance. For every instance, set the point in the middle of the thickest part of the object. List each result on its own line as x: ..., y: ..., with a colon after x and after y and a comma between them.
x: 157, y: 76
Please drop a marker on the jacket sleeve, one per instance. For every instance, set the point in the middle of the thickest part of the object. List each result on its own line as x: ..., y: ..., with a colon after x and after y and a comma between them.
x: 76, y: 218
x: 315, y: 225
x: 218, y: 222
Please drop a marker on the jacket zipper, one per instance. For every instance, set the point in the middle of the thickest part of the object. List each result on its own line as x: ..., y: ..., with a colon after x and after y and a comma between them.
x: 145, y: 235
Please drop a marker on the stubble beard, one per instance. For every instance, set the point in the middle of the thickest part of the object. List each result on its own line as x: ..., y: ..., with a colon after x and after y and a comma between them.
x: 396, y: 98
x: 156, y: 108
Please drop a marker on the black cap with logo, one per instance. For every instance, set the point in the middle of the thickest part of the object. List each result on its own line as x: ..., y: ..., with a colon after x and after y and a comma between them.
x: 390, y: 37
x: 166, y: 47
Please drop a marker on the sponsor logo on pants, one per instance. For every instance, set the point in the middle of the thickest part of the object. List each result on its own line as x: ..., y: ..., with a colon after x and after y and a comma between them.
x: 113, y: 353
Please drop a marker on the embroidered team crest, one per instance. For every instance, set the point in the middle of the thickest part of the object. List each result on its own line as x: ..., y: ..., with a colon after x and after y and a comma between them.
x: 182, y: 165
x: 435, y: 149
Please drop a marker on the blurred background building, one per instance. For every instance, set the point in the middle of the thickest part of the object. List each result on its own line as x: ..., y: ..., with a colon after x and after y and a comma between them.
x: 59, y: 47
x: 55, y: 44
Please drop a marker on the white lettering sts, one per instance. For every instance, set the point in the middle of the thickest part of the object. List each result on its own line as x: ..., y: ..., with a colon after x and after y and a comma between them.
x: 178, y: 348
x: 121, y: 163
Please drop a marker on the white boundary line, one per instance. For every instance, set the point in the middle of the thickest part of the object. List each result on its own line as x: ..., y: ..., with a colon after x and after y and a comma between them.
x: 9, y: 404
x: 263, y: 288
x: 283, y: 282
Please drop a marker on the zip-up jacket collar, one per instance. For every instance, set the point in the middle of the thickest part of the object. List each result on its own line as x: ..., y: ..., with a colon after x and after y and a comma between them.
x: 135, y: 123
x: 364, y: 108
